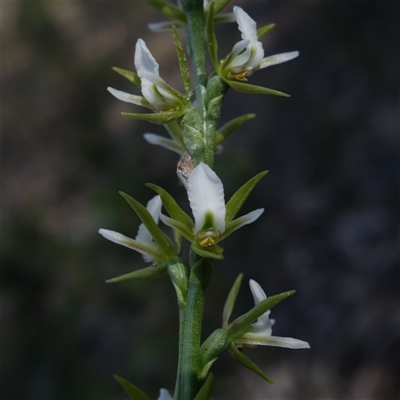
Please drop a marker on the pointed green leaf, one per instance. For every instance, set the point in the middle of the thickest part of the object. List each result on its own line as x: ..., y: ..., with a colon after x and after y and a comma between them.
x: 236, y: 201
x: 169, y: 10
x: 130, y: 75
x: 132, y: 390
x: 214, y: 252
x: 230, y: 126
x: 211, y: 38
x: 205, y: 392
x: 220, y: 4
x: 160, y: 118
x: 178, y: 241
x: 253, y: 89
x: 264, y: 29
x: 240, y: 325
x: 242, y: 359
x: 145, y: 273
x: 162, y: 240
x: 183, y: 65
x: 230, y: 301
x: 172, y: 206
x: 179, y: 226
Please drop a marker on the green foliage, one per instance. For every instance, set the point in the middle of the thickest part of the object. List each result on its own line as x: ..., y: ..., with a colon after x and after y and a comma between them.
x: 237, y: 200
x: 230, y: 301
x: 130, y: 75
x: 132, y: 390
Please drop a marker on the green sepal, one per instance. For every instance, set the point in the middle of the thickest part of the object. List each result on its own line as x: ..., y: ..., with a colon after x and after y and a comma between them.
x: 237, y: 223
x: 264, y: 29
x: 130, y: 75
x: 242, y: 359
x: 172, y: 206
x: 253, y: 89
x: 205, y: 391
x: 179, y: 226
x: 220, y: 5
x: 235, y: 203
x: 211, y: 38
x: 175, y: 132
x: 179, y: 277
x: 178, y: 241
x: 230, y: 126
x: 230, y: 301
x: 162, y: 240
x: 214, y: 252
x: 132, y: 390
x: 146, y: 273
x: 169, y: 10
x: 213, y: 347
x: 183, y: 65
x: 240, y: 325
x: 160, y: 118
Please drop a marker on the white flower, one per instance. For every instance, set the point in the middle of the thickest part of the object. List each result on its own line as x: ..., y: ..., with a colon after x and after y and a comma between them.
x: 143, y: 236
x: 155, y: 90
x: 206, y: 197
x: 248, y: 55
x: 164, y: 395
x: 260, y: 332
x: 157, y: 94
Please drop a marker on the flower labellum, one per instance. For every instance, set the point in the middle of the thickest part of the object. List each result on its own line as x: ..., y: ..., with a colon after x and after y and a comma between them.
x: 206, y: 197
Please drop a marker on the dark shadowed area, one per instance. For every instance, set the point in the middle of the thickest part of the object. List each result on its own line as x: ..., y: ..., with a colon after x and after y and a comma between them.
x: 330, y: 228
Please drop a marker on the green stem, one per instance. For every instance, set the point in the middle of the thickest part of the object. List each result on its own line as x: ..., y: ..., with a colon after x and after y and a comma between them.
x: 188, y: 381
x: 195, y: 36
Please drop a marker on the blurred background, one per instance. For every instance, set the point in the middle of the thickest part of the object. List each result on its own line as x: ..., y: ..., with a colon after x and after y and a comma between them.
x: 330, y: 227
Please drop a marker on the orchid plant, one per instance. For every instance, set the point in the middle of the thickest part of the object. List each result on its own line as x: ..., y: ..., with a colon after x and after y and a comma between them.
x: 195, y: 136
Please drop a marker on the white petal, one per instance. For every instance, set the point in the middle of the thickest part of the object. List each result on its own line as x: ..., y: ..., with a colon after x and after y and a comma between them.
x: 263, y: 324
x: 160, y: 26
x: 278, y: 59
x: 144, y: 60
x: 276, y: 341
x: 239, y: 47
x: 247, y: 25
x: 163, y: 142
x: 206, y: 194
x: 125, y: 241
x: 164, y: 395
x: 154, y: 208
x: 128, y: 98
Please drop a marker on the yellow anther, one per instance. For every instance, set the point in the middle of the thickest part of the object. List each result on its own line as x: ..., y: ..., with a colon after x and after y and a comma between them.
x: 241, y: 77
x: 207, y: 242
